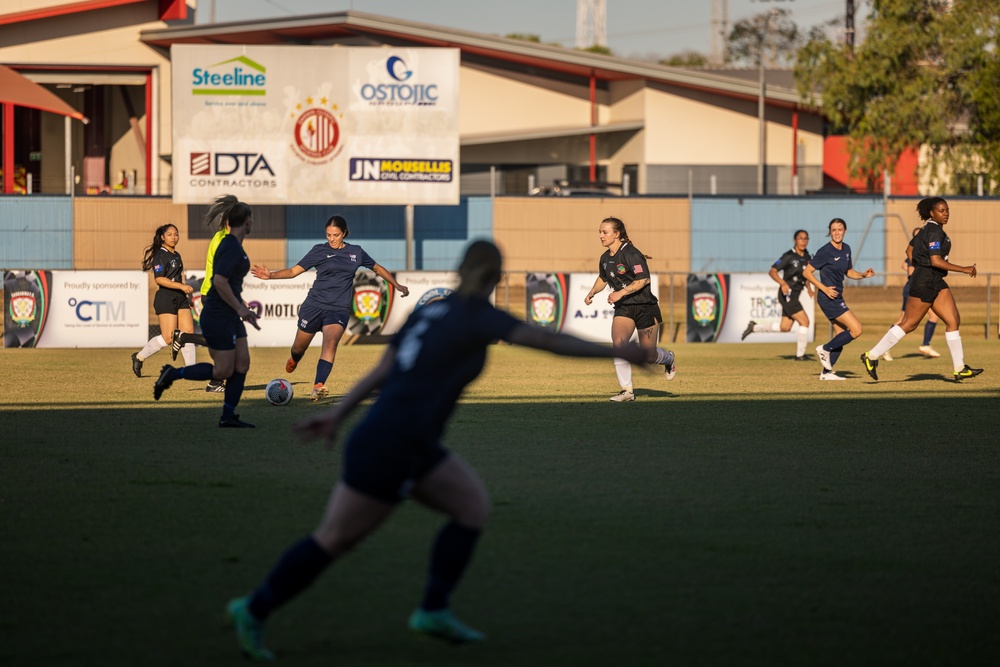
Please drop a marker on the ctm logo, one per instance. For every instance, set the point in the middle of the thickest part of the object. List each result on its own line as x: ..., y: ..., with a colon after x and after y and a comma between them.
x: 227, y: 164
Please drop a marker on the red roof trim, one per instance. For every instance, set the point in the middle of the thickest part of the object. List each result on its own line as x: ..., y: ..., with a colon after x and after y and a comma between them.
x: 62, y: 10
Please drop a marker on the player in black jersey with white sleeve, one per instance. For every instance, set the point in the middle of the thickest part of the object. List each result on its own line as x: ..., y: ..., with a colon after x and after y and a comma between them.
x: 172, y: 302
x: 928, y: 290
x: 396, y: 452
x: 790, y: 286
x: 624, y: 268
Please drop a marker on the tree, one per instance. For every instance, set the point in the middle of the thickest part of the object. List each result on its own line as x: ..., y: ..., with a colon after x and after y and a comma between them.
x: 771, y: 35
x: 685, y: 59
x: 924, y: 77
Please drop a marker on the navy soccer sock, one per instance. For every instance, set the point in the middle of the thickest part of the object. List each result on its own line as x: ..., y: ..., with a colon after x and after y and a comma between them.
x: 323, y: 368
x: 834, y: 355
x: 234, y: 390
x: 929, y: 332
x: 450, y: 555
x: 295, y: 570
x: 840, y: 340
x: 202, y: 371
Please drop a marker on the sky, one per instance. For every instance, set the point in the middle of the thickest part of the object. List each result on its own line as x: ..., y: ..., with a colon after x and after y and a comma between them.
x: 635, y: 28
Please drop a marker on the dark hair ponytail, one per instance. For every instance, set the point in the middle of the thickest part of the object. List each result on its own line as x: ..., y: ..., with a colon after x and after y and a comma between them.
x: 154, y: 247
x: 340, y: 223
x: 619, y: 227
x: 227, y: 210
x: 926, y: 205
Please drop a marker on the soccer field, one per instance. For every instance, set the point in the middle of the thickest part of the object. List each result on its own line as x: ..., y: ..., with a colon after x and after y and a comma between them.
x: 743, y: 514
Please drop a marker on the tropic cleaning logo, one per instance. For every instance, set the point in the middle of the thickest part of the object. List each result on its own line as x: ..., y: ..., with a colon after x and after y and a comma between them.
x: 232, y: 81
x: 399, y: 92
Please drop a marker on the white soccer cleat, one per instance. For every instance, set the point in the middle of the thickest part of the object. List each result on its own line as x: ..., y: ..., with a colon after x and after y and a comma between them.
x: 824, y: 358
x: 929, y: 351
x: 622, y: 396
x: 887, y: 357
x: 830, y: 375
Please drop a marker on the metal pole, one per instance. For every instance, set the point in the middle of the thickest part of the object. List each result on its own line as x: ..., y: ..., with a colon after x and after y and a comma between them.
x: 68, y: 153
x: 989, y: 303
x: 762, y: 129
x: 409, y: 238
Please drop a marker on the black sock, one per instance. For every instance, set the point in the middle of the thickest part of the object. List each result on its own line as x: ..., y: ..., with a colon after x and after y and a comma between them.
x: 202, y: 371
x: 234, y: 390
x: 194, y: 339
x: 296, y: 356
x: 450, y: 555
x: 295, y: 570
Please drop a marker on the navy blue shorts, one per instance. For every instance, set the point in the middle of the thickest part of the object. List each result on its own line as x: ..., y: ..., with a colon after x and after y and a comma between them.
x: 832, y: 308
x: 644, y: 315
x: 169, y: 301
x: 386, y: 466
x: 221, y: 327
x: 313, y: 318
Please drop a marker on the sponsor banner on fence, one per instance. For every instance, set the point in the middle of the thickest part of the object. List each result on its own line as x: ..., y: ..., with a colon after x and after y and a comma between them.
x: 315, y: 125
x: 721, y: 305
x: 425, y: 287
x: 75, y: 309
x: 555, y: 301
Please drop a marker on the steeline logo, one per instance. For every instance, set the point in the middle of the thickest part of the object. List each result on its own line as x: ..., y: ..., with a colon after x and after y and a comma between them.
x: 398, y: 169
x: 231, y: 80
x: 398, y: 92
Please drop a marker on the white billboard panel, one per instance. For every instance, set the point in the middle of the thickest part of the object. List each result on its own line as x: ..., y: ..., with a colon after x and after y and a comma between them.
x: 315, y: 125
x: 97, y: 309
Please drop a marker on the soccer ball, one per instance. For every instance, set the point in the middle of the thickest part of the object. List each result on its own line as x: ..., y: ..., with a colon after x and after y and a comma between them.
x: 279, y: 392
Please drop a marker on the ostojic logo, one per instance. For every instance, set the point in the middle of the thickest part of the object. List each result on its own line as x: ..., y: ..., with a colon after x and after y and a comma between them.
x: 236, y: 76
x: 399, y: 87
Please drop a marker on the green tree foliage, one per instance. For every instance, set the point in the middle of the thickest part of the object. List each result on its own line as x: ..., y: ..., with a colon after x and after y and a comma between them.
x: 925, y: 76
x: 685, y: 59
x: 771, y: 35
x: 524, y: 37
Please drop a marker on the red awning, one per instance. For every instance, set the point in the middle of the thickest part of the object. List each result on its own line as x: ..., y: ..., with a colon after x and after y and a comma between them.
x: 23, y: 92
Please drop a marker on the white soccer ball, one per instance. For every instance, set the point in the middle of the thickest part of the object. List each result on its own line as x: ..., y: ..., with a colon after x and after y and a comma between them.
x: 279, y: 392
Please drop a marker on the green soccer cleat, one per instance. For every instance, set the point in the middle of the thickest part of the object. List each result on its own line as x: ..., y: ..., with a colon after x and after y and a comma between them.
x: 871, y: 365
x: 442, y: 624
x: 967, y: 373
x: 249, y: 631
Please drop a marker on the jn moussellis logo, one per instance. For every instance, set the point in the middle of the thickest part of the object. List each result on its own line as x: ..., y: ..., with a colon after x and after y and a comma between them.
x: 317, y: 133
x: 400, y: 89
x: 236, y: 76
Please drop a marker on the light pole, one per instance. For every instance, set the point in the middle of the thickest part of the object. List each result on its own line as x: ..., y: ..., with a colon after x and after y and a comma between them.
x: 761, y: 94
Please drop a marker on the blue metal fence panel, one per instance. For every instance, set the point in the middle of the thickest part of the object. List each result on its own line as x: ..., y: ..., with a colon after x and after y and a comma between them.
x: 36, y: 232
x: 746, y: 235
x: 380, y: 230
x: 442, y: 232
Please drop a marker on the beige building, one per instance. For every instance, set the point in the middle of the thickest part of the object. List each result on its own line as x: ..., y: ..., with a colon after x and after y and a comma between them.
x: 532, y: 114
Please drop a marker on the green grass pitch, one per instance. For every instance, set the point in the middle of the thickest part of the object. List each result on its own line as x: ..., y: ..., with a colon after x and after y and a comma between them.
x: 743, y: 514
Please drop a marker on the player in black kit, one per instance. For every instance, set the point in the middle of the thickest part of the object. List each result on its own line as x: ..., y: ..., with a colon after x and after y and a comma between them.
x: 791, y: 283
x: 171, y: 302
x: 928, y: 289
x: 624, y: 267
x: 396, y: 451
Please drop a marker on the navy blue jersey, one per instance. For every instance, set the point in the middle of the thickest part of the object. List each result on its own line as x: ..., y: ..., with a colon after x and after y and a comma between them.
x: 232, y: 262
x: 168, y: 265
x: 335, y: 269
x: 440, y: 350
x: 833, y: 265
x: 931, y: 240
x: 791, y: 264
x: 621, y: 270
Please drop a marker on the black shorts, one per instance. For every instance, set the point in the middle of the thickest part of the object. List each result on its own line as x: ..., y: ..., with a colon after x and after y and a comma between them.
x: 926, y: 284
x: 644, y: 315
x: 169, y: 301
x: 791, y: 306
x: 388, y: 465
x: 221, y: 327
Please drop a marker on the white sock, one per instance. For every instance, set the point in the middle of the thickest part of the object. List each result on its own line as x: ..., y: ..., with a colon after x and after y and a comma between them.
x: 155, y: 344
x: 801, y: 339
x: 767, y: 327
x: 891, y: 337
x: 954, y: 340
x: 623, y: 370
x: 663, y: 357
x: 190, y: 355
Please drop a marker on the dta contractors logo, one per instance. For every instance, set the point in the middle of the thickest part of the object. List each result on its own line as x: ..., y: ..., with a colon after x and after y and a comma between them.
x: 397, y: 169
x: 317, y: 133
x: 238, y: 170
x: 236, y: 76
x: 399, y: 89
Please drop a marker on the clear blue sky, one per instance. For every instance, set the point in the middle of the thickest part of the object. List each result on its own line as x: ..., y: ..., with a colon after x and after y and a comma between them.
x: 635, y: 28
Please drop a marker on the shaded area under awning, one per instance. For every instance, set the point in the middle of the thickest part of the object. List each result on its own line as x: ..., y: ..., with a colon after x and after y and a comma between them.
x: 21, y: 91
